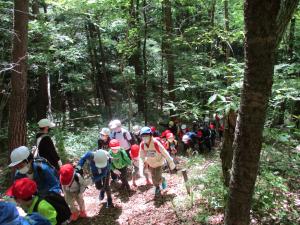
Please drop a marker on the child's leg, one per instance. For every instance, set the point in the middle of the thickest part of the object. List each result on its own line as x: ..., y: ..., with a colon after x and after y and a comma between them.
x: 106, y: 188
x: 123, y: 177
x: 156, y: 174
x: 70, y: 200
x: 80, y: 201
x: 135, y: 172
x: 146, y: 174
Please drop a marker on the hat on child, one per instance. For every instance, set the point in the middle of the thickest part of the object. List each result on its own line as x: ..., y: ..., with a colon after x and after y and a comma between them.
x: 114, y: 144
x: 66, y: 174
x: 23, y: 188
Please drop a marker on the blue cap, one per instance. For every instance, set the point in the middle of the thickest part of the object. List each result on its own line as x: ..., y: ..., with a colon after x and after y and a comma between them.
x: 145, y: 130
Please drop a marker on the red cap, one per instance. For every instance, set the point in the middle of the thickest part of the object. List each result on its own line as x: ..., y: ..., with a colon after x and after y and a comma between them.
x: 23, y: 188
x: 66, y: 174
x: 163, y: 134
x: 114, y: 144
x: 211, y: 126
x: 134, y: 151
x: 153, y: 129
x: 169, y: 135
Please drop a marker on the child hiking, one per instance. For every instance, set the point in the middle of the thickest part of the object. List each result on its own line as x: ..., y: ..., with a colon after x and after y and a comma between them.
x: 120, y: 161
x: 154, y: 154
x: 73, y: 187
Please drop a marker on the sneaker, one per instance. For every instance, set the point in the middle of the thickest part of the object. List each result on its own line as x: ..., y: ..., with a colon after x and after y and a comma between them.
x: 109, y: 203
x: 83, y: 214
x: 157, y: 191
x: 101, y: 195
x: 164, y: 183
x: 74, y: 216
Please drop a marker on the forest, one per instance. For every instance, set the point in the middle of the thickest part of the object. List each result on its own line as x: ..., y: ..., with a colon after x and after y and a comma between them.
x: 231, y: 67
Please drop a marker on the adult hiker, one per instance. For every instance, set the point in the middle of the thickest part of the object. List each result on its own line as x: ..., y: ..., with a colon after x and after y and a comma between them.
x: 100, y: 164
x: 9, y: 215
x: 120, y: 162
x: 154, y: 154
x: 37, y: 169
x: 104, y: 139
x: 189, y: 141
x: 121, y: 134
x: 73, y: 186
x: 44, y: 145
x: 24, y: 191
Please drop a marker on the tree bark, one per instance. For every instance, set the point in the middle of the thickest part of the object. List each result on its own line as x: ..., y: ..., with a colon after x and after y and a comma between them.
x: 227, y: 149
x: 145, y: 60
x: 226, y: 26
x: 167, y: 46
x: 291, y: 40
x: 18, y: 98
x: 265, y: 22
x: 135, y: 58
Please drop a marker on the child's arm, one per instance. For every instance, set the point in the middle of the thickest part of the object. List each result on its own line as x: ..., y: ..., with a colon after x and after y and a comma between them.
x: 166, y: 155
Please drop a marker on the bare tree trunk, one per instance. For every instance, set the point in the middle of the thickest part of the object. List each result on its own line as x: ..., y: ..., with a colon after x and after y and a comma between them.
x: 226, y: 26
x: 227, y: 149
x: 212, y: 24
x: 18, y: 98
x: 145, y: 60
x: 136, y: 57
x: 265, y: 22
x: 291, y: 40
x: 167, y: 46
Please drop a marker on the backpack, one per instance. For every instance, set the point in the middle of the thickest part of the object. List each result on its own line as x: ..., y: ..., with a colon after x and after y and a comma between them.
x: 36, y: 219
x: 60, y: 205
x: 35, y: 149
x: 155, y: 145
x: 130, y: 142
x: 40, y: 160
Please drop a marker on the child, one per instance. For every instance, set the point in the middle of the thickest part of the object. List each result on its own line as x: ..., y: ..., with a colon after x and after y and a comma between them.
x: 103, y: 141
x: 36, y: 169
x: 73, y: 186
x: 154, y: 154
x: 100, y: 164
x: 134, y: 153
x: 120, y: 162
x: 24, y: 191
x: 9, y: 215
x: 172, y: 144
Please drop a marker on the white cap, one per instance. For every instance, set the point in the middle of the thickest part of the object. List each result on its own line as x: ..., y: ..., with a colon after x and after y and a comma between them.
x: 114, y: 124
x: 18, y: 155
x: 136, y: 129
x: 183, y: 126
x: 105, y: 131
x: 100, y: 158
x: 185, y: 138
x: 45, y: 123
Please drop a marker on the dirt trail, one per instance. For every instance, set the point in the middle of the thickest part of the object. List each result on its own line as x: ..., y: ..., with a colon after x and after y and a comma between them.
x: 140, y: 207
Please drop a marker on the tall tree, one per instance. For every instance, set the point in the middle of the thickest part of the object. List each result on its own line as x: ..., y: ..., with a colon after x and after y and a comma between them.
x: 167, y: 46
x: 135, y: 58
x: 291, y: 39
x: 226, y: 26
x: 18, y: 97
x: 265, y: 22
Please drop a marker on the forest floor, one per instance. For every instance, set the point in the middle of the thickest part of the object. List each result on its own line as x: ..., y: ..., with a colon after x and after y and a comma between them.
x: 141, y: 207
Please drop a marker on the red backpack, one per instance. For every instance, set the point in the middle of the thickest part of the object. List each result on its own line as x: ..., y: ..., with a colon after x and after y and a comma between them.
x: 155, y: 145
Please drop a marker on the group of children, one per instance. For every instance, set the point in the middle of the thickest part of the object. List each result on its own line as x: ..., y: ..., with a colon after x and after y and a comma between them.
x: 52, y: 191
x: 48, y: 191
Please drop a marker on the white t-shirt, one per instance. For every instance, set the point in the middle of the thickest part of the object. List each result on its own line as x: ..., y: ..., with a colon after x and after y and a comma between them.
x: 120, y: 137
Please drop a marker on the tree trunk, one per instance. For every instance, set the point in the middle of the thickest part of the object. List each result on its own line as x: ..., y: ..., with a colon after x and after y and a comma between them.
x: 18, y: 98
x: 212, y: 24
x: 135, y: 58
x: 167, y: 46
x: 227, y: 149
x: 291, y: 40
x: 106, y: 87
x: 226, y: 26
x: 265, y: 22
x: 145, y: 60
